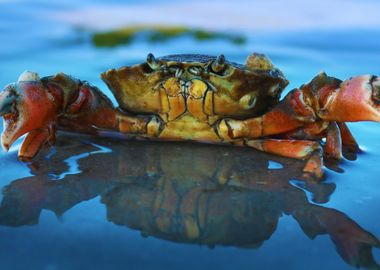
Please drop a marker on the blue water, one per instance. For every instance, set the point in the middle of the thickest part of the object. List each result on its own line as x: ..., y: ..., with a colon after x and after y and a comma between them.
x: 104, y: 204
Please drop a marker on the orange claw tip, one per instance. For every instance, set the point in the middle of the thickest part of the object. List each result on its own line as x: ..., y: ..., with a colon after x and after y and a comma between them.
x: 357, y: 99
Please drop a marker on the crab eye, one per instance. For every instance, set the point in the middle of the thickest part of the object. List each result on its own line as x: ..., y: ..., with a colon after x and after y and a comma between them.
x: 219, y: 65
x: 152, y: 61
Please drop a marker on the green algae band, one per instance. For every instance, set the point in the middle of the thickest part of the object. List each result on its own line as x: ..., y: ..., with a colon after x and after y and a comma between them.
x: 127, y: 35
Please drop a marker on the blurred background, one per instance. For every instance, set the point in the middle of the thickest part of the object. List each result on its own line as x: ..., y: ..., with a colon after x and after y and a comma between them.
x: 301, y: 37
x: 85, y: 38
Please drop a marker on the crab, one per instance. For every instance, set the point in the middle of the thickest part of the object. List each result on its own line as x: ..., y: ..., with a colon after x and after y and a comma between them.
x: 198, y: 98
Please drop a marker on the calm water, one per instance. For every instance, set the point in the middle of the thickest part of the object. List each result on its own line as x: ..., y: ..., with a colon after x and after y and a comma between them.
x: 94, y: 203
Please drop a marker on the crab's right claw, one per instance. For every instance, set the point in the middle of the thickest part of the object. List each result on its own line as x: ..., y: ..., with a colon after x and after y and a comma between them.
x: 27, y: 107
x: 356, y: 99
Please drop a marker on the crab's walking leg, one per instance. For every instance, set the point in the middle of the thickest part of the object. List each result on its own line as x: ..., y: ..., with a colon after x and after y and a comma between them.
x: 349, y: 145
x: 299, y: 149
x: 107, y: 118
x: 333, y: 146
x: 290, y: 114
x: 148, y: 126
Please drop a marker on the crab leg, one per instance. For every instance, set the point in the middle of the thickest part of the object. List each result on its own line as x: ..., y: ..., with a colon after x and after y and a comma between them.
x: 288, y: 115
x: 333, y: 146
x: 323, y: 99
x: 89, y: 111
x: 299, y: 149
x: 37, y: 107
x: 147, y: 126
x: 349, y: 145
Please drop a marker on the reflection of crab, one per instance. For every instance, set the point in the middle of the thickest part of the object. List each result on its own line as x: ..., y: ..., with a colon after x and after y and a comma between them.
x: 199, y: 98
x: 231, y: 199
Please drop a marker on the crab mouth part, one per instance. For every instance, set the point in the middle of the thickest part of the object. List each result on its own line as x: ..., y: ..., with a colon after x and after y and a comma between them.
x: 184, y: 86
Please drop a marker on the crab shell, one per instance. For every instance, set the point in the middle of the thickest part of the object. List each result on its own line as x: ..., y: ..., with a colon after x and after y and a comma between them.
x: 203, y: 88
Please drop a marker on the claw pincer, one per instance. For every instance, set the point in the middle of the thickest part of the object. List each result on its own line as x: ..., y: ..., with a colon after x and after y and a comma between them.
x: 26, y: 106
x: 356, y: 99
x: 35, y: 106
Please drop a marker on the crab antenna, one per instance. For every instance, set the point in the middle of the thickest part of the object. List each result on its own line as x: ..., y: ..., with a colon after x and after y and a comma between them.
x: 219, y: 63
x: 152, y: 61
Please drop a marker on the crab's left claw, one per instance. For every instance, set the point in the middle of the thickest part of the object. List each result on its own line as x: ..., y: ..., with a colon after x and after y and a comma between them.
x: 356, y: 99
x: 27, y: 107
